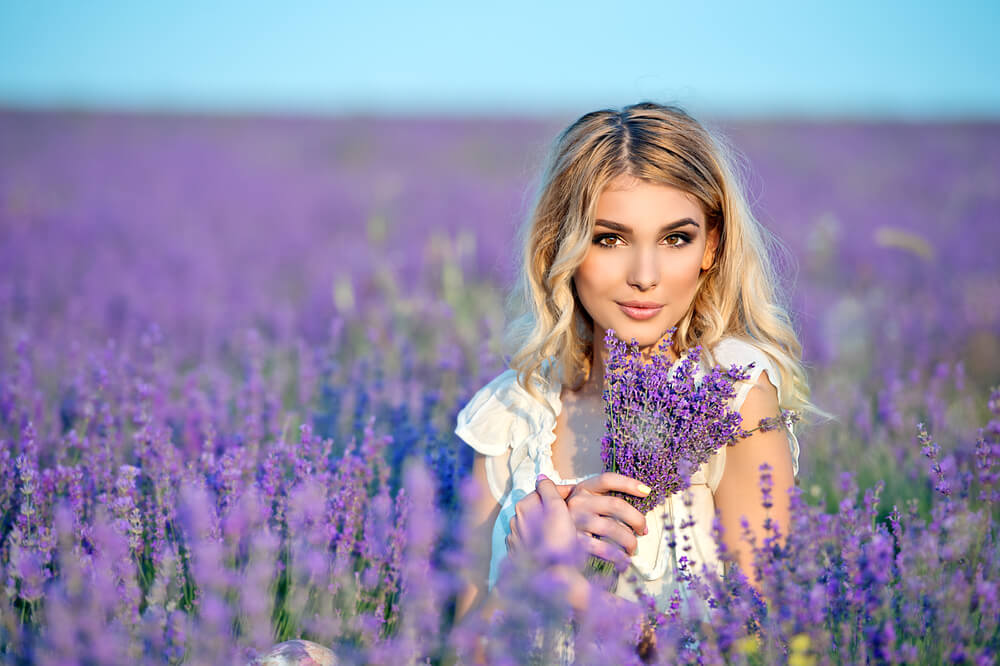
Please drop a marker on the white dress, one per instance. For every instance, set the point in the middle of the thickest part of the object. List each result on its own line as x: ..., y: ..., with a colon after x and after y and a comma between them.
x: 515, y: 433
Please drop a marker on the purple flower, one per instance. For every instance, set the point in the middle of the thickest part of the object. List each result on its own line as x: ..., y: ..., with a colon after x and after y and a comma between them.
x: 662, y: 423
x: 930, y: 449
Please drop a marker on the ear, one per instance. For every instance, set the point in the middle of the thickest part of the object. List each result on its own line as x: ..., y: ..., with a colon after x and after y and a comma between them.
x: 710, y: 247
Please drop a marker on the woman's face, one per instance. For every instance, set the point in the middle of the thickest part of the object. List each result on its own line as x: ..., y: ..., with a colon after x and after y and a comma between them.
x: 649, y: 246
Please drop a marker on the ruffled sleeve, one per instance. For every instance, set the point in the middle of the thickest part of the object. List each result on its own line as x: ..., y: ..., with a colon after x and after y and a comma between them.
x: 735, y: 351
x: 483, y: 425
x: 502, y: 419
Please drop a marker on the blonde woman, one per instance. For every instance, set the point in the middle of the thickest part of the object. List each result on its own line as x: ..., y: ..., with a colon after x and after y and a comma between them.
x: 640, y: 225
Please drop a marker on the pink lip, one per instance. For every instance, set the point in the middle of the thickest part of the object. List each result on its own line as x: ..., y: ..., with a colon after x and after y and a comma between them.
x: 640, y: 313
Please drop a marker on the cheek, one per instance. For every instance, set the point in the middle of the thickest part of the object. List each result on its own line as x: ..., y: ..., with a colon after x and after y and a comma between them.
x: 592, y: 276
x: 592, y: 286
x: 585, y: 290
x: 684, y: 273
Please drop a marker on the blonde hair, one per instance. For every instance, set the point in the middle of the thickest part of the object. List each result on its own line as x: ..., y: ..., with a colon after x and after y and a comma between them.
x: 738, y: 296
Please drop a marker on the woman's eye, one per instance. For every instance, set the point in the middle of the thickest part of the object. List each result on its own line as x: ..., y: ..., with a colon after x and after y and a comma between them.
x: 612, y: 240
x: 606, y: 237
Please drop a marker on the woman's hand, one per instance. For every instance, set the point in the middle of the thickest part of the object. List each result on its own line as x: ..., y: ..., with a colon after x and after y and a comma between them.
x: 549, y: 535
x: 595, y: 514
x: 527, y: 507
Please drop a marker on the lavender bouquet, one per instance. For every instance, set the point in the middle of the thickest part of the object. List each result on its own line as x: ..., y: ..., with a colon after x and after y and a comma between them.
x: 662, y: 424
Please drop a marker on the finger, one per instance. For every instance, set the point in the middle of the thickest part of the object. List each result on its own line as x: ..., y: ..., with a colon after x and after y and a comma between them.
x: 565, y: 489
x: 513, y: 544
x: 514, y: 528
x: 526, y: 511
x: 608, y: 481
x: 606, y: 551
x: 612, y: 531
x: 532, y: 515
x: 547, y: 491
x: 584, y: 505
x: 527, y: 504
x: 619, y: 509
x: 560, y: 532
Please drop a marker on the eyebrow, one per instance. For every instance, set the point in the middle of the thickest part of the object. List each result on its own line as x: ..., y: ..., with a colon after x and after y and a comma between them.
x: 615, y: 226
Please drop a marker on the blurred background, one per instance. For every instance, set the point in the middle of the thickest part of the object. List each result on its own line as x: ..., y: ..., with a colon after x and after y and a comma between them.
x: 343, y: 180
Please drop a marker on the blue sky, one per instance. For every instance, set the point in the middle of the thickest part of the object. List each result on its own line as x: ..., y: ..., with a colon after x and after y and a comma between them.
x: 887, y: 59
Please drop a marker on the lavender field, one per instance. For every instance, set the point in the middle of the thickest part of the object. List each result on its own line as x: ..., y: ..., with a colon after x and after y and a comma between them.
x: 232, y: 351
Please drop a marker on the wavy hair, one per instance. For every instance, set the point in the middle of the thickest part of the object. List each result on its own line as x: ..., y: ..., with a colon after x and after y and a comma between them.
x: 550, y: 335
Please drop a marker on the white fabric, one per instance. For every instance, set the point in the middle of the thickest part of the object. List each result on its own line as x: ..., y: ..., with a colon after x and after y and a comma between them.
x: 515, y: 432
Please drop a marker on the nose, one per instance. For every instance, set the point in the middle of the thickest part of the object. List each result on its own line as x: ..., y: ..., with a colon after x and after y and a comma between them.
x: 644, y: 269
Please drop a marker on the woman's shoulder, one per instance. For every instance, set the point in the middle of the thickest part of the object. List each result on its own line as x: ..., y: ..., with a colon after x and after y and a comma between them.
x: 503, y: 413
x: 742, y: 351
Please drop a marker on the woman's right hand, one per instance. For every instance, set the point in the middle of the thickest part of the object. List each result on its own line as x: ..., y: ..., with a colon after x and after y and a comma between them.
x: 595, y: 514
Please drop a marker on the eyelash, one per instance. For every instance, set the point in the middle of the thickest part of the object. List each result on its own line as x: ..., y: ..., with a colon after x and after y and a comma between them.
x: 683, y: 238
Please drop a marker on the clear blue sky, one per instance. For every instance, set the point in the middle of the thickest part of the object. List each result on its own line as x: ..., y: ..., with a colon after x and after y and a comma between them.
x: 847, y: 58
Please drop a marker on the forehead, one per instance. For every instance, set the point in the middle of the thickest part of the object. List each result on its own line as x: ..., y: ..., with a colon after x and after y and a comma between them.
x: 629, y: 196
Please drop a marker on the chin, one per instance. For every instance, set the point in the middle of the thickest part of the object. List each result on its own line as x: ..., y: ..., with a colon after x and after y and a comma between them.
x: 646, y: 336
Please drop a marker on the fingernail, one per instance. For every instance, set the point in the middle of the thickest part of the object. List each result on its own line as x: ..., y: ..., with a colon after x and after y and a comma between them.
x: 644, y: 489
x: 541, y: 477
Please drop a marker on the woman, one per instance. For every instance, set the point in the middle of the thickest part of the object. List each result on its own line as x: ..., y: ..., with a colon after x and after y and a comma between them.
x: 640, y: 226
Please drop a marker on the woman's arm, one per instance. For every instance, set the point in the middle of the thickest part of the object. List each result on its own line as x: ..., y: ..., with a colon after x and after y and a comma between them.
x: 739, y: 493
x: 480, y: 516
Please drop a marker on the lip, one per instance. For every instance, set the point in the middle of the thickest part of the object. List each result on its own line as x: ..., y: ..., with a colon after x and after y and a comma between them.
x: 640, y: 310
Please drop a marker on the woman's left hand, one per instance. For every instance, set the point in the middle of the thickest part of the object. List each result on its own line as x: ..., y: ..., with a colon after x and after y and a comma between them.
x: 530, y: 507
x: 549, y: 533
